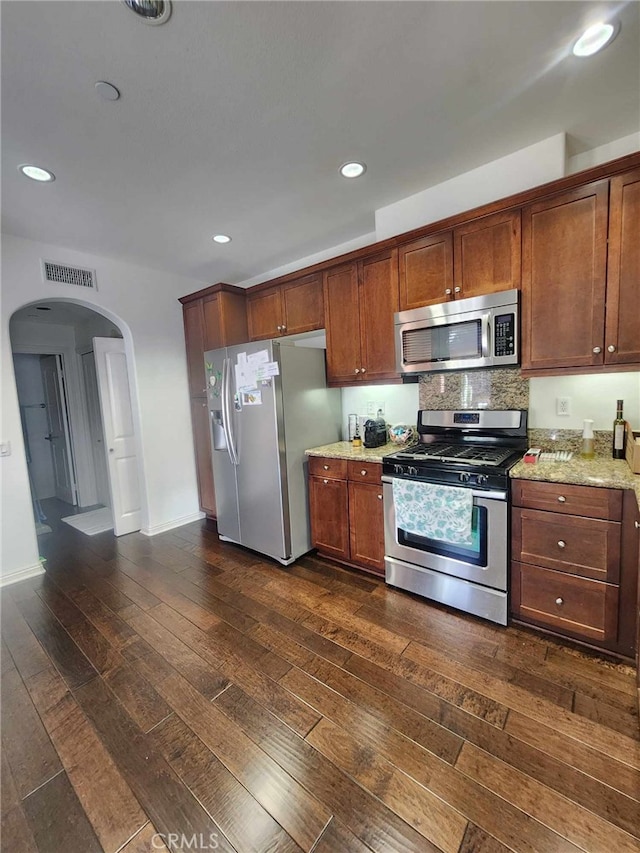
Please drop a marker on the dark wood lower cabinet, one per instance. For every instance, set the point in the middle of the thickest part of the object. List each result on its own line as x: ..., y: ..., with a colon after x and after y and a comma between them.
x: 346, y: 512
x: 576, y: 575
x: 202, y: 446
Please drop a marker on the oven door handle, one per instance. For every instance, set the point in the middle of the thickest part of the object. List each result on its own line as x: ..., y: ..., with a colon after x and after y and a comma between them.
x: 476, y: 493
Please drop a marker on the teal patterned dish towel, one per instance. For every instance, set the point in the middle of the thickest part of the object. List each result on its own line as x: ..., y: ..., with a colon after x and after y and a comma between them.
x: 436, y: 512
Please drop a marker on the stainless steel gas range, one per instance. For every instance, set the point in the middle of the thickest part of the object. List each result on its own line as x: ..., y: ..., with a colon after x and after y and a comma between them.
x: 464, y: 450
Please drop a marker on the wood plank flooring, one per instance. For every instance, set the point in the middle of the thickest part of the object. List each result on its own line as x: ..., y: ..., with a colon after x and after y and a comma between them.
x: 179, y: 693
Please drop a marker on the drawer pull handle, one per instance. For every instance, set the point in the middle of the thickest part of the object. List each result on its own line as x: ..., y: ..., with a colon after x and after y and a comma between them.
x: 326, y: 467
x: 561, y: 499
x: 559, y: 601
x: 363, y: 472
x: 562, y: 544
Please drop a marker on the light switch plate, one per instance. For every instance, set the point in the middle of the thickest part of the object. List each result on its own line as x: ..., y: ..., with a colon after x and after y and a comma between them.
x: 5, y: 448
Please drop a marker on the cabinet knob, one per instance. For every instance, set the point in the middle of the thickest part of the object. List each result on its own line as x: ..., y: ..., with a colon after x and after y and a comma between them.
x: 559, y: 601
x: 637, y: 524
x: 325, y: 482
x: 611, y: 348
x: 204, y: 390
x: 284, y: 328
x: 561, y: 499
x: 457, y: 289
x: 279, y: 328
x: 326, y: 467
x: 204, y: 406
x: 379, y: 497
x: 448, y: 291
x: 597, y: 350
x: 562, y: 544
x: 363, y: 370
x: 363, y: 472
x: 357, y: 370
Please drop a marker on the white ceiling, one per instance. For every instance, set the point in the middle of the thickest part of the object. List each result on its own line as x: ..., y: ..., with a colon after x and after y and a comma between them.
x: 235, y: 116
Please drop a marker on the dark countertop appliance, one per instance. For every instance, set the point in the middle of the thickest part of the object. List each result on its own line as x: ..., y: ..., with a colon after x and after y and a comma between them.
x: 375, y: 432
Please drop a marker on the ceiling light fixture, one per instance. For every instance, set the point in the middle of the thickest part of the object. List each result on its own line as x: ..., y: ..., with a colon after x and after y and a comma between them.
x: 36, y: 173
x: 150, y: 11
x: 352, y: 169
x: 594, y: 39
x: 221, y: 238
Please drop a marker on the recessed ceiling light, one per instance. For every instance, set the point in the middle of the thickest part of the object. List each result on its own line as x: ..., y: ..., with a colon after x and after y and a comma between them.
x: 106, y: 91
x: 150, y: 11
x: 594, y: 39
x: 221, y: 238
x: 353, y: 169
x: 36, y: 173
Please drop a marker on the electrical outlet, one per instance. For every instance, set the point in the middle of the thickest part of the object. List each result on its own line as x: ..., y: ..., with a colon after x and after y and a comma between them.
x: 563, y: 406
x: 371, y: 408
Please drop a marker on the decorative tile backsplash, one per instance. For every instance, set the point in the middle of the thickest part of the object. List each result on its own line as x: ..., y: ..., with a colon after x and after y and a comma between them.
x: 503, y: 388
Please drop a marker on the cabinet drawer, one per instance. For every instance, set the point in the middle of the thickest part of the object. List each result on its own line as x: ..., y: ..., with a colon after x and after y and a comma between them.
x: 573, y: 500
x: 332, y: 469
x: 571, y: 605
x: 365, y: 472
x: 567, y: 543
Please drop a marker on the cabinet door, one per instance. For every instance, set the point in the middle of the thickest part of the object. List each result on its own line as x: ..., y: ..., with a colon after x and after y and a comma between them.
x: 202, y: 444
x: 378, y: 292
x: 426, y: 271
x: 366, y: 526
x: 486, y: 255
x: 329, y: 516
x: 342, y: 320
x: 194, y: 340
x: 213, y: 334
x: 264, y: 314
x: 302, y: 305
x: 564, y: 249
x: 623, y: 276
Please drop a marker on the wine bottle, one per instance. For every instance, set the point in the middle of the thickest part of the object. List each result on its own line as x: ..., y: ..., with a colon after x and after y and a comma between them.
x: 618, y: 433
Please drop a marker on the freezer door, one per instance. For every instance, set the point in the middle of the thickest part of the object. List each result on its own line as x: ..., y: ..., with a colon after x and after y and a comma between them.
x: 224, y: 471
x: 258, y: 431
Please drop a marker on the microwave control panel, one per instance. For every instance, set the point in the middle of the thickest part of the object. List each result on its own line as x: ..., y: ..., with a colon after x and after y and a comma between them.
x: 505, y: 334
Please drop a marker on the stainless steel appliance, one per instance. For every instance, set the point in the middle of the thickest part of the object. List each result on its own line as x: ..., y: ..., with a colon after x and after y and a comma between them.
x: 478, y: 332
x: 470, y: 450
x: 268, y: 402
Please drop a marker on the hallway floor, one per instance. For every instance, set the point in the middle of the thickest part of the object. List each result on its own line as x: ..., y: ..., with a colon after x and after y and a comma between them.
x: 184, y: 691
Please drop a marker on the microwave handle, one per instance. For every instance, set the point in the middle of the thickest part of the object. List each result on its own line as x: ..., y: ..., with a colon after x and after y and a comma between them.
x: 487, y: 335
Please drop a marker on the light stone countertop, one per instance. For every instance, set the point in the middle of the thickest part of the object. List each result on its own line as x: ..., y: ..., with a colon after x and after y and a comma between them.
x: 601, y: 472
x: 344, y: 450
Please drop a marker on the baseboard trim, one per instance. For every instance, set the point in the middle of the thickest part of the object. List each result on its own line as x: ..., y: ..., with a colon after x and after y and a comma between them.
x: 22, y: 575
x: 171, y: 525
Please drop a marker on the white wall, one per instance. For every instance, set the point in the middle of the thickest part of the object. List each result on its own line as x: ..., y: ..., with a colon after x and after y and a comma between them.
x: 592, y: 396
x: 400, y: 403
x: 604, y: 153
x: 522, y: 170
x: 95, y: 327
x: 143, y: 302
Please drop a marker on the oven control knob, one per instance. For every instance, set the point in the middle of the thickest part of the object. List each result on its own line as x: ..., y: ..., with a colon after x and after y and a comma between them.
x: 412, y: 471
x: 464, y: 477
x: 481, y: 479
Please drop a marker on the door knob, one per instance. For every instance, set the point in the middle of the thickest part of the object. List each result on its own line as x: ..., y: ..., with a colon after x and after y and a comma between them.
x: 597, y: 350
x: 611, y: 348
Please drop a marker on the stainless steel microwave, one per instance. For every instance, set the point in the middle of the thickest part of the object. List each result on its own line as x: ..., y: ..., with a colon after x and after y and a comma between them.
x: 482, y: 331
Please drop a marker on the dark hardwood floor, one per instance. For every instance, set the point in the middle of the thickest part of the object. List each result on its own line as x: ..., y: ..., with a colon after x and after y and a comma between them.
x: 182, y: 691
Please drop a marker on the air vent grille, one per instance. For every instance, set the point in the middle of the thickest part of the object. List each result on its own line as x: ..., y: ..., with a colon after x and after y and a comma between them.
x: 63, y: 274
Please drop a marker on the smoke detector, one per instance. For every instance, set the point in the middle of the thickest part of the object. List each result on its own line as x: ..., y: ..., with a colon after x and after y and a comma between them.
x: 150, y: 11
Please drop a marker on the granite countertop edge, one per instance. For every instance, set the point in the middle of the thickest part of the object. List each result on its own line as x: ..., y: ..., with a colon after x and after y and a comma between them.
x: 344, y: 450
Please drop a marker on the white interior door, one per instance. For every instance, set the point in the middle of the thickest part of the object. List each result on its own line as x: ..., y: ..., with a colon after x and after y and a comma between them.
x: 119, y: 433
x: 98, y: 449
x: 59, y: 434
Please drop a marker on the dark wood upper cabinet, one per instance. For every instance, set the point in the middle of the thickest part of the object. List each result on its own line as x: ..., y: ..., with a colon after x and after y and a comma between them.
x: 288, y: 309
x: 622, y: 327
x: 487, y: 255
x: 360, y: 301
x: 426, y: 271
x: 194, y: 340
x: 564, y: 266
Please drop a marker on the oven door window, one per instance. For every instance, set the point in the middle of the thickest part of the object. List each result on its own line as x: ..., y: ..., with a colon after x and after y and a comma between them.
x: 475, y: 554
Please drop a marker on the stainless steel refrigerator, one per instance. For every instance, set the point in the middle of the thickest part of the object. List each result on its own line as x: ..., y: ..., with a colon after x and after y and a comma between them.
x: 268, y: 403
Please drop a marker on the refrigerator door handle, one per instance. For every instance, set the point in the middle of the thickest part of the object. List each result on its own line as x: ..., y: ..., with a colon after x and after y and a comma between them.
x: 226, y: 411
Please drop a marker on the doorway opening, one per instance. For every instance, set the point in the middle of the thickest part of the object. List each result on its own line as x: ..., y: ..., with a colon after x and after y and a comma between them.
x: 77, y: 419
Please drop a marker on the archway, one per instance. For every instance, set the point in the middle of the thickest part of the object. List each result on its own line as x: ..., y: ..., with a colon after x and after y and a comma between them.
x: 57, y: 344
